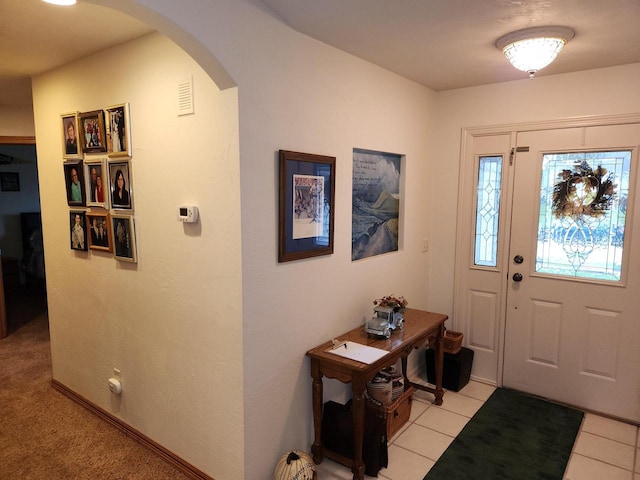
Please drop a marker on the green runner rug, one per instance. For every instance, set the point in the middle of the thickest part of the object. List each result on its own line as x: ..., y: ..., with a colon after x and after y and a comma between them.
x: 513, y: 436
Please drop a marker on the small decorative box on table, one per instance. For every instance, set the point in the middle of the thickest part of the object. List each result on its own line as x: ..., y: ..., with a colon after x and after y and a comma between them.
x: 397, y: 413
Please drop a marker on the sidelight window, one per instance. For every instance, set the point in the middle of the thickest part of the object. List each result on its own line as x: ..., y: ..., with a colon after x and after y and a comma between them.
x: 487, y: 211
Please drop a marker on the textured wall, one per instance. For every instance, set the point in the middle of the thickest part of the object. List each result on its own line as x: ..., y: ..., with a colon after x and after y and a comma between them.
x: 172, y: 322
x: 297, y: 94
x: 16, y: 121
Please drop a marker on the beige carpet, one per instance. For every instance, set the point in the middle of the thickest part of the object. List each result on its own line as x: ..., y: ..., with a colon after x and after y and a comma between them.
x: 45, y: 435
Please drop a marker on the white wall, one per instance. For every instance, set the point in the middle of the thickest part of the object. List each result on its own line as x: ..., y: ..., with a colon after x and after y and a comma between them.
x: 16, y: 121
x: 298, y: 94
x: 320, y: 101
x: 172, y: 323
x: 607, y: 91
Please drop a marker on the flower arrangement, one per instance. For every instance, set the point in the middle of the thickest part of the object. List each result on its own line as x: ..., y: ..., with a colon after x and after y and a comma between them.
x: 398, y: 303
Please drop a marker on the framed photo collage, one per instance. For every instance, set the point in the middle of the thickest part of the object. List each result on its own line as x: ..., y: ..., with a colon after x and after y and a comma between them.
x: 96, y: 148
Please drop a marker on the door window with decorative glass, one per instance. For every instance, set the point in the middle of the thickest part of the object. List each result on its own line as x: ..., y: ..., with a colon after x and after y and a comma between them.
x: 582, y: 214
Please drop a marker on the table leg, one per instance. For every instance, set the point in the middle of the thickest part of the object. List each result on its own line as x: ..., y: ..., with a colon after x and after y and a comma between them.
x: 403, y: 364
x: 317, y: 395
x: 439, y: 360
x: 357, y: 387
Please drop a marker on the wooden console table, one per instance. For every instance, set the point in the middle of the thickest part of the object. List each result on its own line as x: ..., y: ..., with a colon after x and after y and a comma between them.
x: 420, y: 327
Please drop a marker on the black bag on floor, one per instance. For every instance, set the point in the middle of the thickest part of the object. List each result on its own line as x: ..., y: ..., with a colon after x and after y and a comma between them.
x: 337, y: 435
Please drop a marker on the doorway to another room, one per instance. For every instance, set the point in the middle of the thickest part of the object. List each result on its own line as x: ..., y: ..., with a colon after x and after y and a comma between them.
x: 23, y: 292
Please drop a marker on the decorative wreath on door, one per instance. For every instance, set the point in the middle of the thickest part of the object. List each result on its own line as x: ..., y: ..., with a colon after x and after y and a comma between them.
x: 583, y: 192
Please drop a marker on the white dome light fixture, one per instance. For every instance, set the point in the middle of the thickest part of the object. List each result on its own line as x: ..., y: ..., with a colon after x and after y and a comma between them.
x: 534, y: 48
x: 65, y: 3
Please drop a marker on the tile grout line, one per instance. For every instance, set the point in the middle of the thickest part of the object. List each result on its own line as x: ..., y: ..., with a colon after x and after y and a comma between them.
x: 635, y: 456
x: 419, y: 454
x: 576, y: 454
x: 611, y: 439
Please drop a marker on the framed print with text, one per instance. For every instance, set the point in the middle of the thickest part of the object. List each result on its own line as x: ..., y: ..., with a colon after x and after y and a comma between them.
x: 306, y: 205
x: 376, y: 195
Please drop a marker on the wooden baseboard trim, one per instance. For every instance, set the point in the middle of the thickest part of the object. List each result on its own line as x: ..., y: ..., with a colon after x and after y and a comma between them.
x: 169, y: 457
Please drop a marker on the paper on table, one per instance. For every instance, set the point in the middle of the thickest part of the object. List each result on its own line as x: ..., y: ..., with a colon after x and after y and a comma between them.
x: 358, y: 352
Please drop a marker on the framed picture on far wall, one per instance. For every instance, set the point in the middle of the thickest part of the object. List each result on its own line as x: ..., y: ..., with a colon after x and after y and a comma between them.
x: 124, y: 237
x: 91, y: 126
x: 97, y: 182
x: 99, y: 231
x: 10, y: 181
x: 71, y: 146
x: 74, y: 182
x: 120, y: 185
x: 77, y: 230
x: 118, y: 131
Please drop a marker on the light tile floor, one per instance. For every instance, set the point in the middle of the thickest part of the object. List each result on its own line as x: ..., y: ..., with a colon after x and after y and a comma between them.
x: 604, y: 449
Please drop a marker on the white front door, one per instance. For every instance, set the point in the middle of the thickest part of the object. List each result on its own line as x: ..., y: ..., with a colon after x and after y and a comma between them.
x: 572, y: 321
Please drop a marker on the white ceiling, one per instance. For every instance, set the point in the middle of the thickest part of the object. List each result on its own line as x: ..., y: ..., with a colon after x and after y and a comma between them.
x: 446, y: 44
x: 36, y: 37
x: 442, y: 44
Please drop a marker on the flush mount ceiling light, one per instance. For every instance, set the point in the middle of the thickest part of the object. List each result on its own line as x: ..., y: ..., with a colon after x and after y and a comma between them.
x: 534, y: 48
x: 65, y: 3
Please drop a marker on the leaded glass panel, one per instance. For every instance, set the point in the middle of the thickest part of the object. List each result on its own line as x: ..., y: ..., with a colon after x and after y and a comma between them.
x: 583, y: 207
x: 488, y: 211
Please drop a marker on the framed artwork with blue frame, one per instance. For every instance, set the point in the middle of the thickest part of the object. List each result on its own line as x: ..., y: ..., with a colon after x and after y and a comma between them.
x: 306, y: 205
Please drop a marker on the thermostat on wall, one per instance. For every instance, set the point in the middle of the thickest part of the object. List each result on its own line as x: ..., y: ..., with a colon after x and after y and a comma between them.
x: 187, y: 213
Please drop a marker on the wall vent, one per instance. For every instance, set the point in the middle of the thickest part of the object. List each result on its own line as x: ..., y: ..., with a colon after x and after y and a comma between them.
x: 185, y: 97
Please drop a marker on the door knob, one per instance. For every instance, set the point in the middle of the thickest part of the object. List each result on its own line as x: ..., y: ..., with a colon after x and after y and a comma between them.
x: 518, y: 259
x: 517, y: 277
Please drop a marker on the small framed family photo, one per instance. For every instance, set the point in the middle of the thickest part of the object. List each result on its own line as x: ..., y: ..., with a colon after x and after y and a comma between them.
x: 91, y: 125
x: 118, y: 131
x: 124, y: 237
x: 70, y: 138
x: 97, y: 187
x: 77, y: 230
x: 120, y: 185
x: 74, y: 181
x: 99, y: 235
